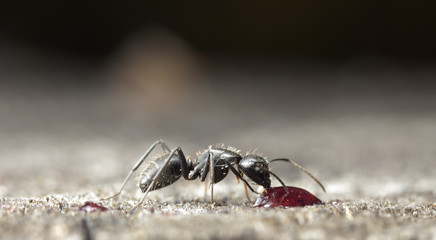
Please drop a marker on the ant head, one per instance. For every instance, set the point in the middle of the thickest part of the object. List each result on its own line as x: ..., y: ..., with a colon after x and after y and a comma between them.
x: 255, y: 167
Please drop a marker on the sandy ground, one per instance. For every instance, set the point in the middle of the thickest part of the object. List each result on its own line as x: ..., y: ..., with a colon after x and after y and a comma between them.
x: 372, y: 146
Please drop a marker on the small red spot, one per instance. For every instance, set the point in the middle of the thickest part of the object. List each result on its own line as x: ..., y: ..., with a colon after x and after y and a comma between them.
x: 92, y: 207
x: 276, y: 197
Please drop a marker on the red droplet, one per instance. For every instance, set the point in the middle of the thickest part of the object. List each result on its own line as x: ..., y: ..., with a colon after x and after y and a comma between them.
x: 276, y: 197
x: 92, y: 207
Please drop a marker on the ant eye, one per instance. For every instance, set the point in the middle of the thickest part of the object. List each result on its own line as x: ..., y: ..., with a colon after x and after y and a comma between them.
x: 260, y: 165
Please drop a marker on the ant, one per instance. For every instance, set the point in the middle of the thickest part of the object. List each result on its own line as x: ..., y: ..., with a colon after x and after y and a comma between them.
x: 168, y: 167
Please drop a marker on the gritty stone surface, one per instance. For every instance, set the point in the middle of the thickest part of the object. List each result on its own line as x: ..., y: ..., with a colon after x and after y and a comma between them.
x: 59, y: 217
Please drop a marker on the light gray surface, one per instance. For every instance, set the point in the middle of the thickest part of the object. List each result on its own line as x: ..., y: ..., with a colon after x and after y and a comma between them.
x: 370, y: 143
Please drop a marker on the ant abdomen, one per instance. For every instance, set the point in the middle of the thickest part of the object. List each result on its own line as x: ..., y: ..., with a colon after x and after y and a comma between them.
x: 170, y: 173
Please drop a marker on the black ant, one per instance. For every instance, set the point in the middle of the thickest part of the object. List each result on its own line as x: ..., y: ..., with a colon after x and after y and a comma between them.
x: 168, y: 167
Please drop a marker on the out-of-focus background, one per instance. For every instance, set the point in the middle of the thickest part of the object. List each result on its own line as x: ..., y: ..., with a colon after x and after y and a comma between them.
x: 344, y: 88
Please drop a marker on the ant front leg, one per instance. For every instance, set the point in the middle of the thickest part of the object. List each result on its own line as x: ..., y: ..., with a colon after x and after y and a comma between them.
x: 165, y: 148
x: 245, y: 185
x: 239, y: 176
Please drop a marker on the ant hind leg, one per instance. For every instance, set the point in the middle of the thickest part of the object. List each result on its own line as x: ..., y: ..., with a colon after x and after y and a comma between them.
x: 138, y: 163
x: 158, y: 174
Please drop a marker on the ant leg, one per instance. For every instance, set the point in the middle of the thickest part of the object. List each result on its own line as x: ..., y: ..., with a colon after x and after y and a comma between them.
x: 245, y: 185
x: 185, y: 167
x: 238, y: 175
x: 138, y: 163
x: 211, y: 173
x: 205, y: 189
x: 156, y: 176
x: 301, y: 168
x: 208, y: 169
x: 246, y: 193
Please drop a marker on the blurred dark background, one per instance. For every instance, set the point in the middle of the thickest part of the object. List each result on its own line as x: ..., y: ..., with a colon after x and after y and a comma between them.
x: 305, y: 29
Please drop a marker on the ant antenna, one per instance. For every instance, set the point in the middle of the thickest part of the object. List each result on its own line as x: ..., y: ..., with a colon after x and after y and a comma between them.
x: 301, y: 168
x: 277, y: 177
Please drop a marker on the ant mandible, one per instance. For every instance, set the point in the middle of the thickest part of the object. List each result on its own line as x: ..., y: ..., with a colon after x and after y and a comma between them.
x: 168, y: 167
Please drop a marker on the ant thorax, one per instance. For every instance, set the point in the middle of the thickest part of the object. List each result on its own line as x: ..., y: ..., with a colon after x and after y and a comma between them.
x: 220, y: 151
x: 219, y: 156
